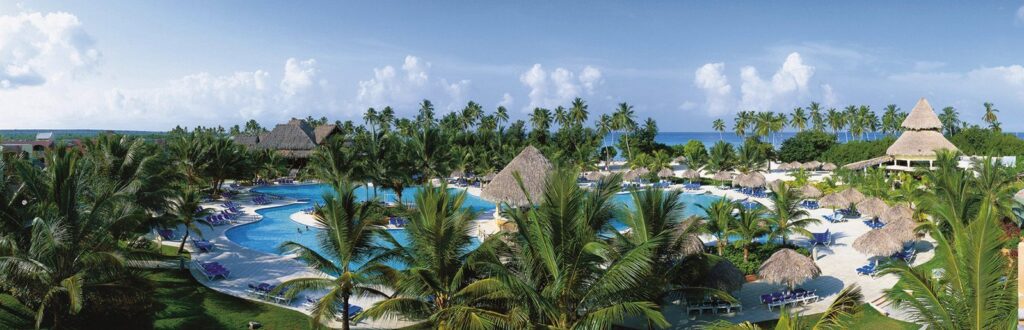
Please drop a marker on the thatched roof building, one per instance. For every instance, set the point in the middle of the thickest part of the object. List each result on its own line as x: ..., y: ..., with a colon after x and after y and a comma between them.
x: 294, y: 139
x: 921, y: 138
x: 788, y: 267
x: 532, y: 167
x: 322, y: 132
x: 860, y: 165
x: 877, y: 243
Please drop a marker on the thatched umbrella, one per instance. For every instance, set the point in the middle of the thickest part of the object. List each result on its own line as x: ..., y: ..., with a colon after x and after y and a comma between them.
x: 594, y: 176
x: 723, y: 276
x: 872, y: 207
x: 853, y: 195
x: 834, y: 200
x: 897, y: 212
x: 679, y: 160
x: 784, y: 167
x: 878, y: 243
x: 751, y: 180
x: 904, y: 230
x: 509, y: 227
x: 532, y: 167
x: 635, y: 174
x: 457, y: 174
x: 812, y: 165
x: 810, y: 191
x: 795, y: 165
x: 788, y: 267
x: 487, y: 177
x: 828, y: 167
x: 666, y: 173
x: 690, y: 174
x: 724, y: 176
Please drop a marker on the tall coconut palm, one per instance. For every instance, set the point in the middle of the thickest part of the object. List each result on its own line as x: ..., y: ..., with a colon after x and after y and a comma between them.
x: 346, y: 244
x: 785, y: 215
x: 719, y: 126
x: 425, y: 116
x: 749, y: 224
x: 743, y: 122
x: 836, y: 120
x: 777, y: 124
x: 438, y: 289
x: 763, y: 123
x: 718, y: 221
x: 950, y: 119
x: 564, y: 272
x: 890, y: 119
x: 721, y: 156
x: 798, y: 119
x: 578, y: 113
x: 990, y: 116
x: 332, y: 163
x: 561, y: 117
x: 817, y: 120
x: 186, y: 209
x: 624, y: 119
x: 604, y: 126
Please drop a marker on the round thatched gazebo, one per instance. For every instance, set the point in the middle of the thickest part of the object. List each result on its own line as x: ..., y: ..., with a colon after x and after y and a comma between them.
x: 788, y: 267
x: 878, y: 243
x: 872, y: 207
x: 532, y: 167
x: 810, y: 191
x: 921, y: 138
x: 724, y: 276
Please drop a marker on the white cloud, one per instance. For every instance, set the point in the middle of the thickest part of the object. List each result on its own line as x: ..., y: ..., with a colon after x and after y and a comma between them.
x: 789, y: 81
x: 37, y: 48
x: 1019, y: 18
x: 298, y: 76
x: 718, y: 93
x: 410, y: 86
x: 829, y: 95
x: 559, y: 87
x: 506, y: 100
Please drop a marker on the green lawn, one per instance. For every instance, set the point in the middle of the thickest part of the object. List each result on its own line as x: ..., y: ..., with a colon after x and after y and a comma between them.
x: 868, y: 319
x: 183, y: 303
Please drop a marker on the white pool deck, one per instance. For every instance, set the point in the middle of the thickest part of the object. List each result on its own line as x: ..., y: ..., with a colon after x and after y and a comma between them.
x: 838, y: 264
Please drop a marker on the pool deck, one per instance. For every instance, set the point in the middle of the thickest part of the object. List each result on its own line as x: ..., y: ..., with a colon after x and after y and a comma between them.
x: 838, y: 264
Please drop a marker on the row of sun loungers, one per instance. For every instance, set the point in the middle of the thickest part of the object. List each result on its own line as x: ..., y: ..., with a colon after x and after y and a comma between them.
x: 263, y: 291
x: 835, y: 218
x: 868, y: 269
x: 874, y: 223
x: 754, y: 192
x: 750, y: 205
x: 212, y: 270
x: 285, y: 181
x: 260, y: 200
x: 691, y: 186
x: 202, y: 245
x: 713, y: 306
x: 776, y: 299
x: 809, y: 204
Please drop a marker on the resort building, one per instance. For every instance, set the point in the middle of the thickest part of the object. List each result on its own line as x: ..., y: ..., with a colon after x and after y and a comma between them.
x: 294, y: 140
x: 30, y: 149
x: 917, y: 145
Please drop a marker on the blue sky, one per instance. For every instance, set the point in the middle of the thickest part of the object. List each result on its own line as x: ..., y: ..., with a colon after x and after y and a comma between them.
x: 153, y: 65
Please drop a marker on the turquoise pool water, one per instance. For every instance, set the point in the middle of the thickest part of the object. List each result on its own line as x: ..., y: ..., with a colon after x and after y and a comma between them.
x: 277, y: 226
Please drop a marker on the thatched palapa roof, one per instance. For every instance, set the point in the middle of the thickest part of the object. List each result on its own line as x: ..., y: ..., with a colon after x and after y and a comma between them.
x: 828, y: 167
x: 785, y: 167
x: 834, y: 200
x: 250, y: 141
x: 294, y: 139
x: 689, y: 242
x: 810, y: 191
x: 690, y: 174
x: 532, y: 167
x: 788, y: 267
x: 724, y: 276
x: 322, y: 132
x: 904, y: 230
x: 922, y: 117
x: 872, y: 207
x: 919, y: 143
x: 774, y: 185
x: 877, y: 243
x: 897, y: 212
x: 812, y: 165
x: 724, y: 176
x: 751, y: 180
x: 593, y: 176
x: 635, y: 174
x: 868, y: 163
x: 666, y: 173
x: 457, y: 174
x: 487, y: 177
x: 853, y: 195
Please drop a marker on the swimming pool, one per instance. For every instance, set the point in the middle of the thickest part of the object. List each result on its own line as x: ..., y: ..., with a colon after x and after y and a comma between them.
x: 277, y: 227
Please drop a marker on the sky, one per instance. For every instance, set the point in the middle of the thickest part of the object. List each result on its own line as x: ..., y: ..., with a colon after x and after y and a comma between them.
x: 152, y: 65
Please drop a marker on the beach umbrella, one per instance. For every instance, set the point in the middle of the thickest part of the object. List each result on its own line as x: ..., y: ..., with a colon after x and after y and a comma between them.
x: 723, y: 176
x: 872, y: 207
x: 897, y: 212
x: 788, y: 267
x: 509, y: 227
x: 457, y: 174
x: 690, y: 174
x: 635, y: 174
x: 903, y: 230
x: 812, y: 165
x: 810, y: 191
x: 853, y: 195
x: 828, y: 167
x: 594, y: 176
x: 795, y: 165
x: 666, y: 173
x: 785, y: 167
x: 725, y: 276
x: 834, y: 200
x: 679, y: 160
x: 878, y: 243
x: 751, y: 180
x: 532, y: 167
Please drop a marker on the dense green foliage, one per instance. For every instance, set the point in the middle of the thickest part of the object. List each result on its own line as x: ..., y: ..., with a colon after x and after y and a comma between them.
x: 853, y: 151
x: 985, y: 142
x: 806, y: 146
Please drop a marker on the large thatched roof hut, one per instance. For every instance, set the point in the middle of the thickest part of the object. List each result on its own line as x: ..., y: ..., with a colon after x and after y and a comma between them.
x: 532, y: 167
x: 294, y: 139
x: 921, y: 138
x: 788, y: 267
x: 879, y: 243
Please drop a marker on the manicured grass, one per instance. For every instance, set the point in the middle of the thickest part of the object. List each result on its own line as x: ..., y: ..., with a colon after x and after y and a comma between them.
x: 183, y: 303
x: 868, y: 319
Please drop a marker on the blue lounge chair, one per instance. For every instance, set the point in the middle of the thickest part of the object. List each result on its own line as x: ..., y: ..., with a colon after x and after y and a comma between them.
x: 822, y: 238
x: 868, y: 269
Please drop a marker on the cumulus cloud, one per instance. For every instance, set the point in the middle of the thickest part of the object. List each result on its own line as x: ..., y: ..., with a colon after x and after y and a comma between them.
x: 548, y: 90
x: 791, y: 78
x: 506, y: 100
x: 298, y: 76
x: 408, y: 87
x: 718, y: 93
x: 36, y: 48
x: 829, y: 95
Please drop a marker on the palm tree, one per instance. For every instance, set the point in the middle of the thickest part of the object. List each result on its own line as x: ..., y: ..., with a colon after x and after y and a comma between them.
x: 186, y: 209
x: 777, y: 124
x: 605, y: 125
x: 425, y: 117
x: 332, y: 163
x: 785, y: 214
x: 437, y: 289
x: 748, y: 226
x: 891, y: 119
x: 350, y: 229
x: 719, y: 220
x: 742, y: 122
x: 798, y: 119
x: 836, y: 120
x: 854, y: 121
x: 578, y: 112
x: 763, y: 124
x: 624, y: 119
x: 719, y: 126
x: 561, y: 117
x: 990, y: 115
x: 721, y: 156
x: 817, y: 120
x: 501, y: 115
x: 950, y: 119
x: 563, y: 273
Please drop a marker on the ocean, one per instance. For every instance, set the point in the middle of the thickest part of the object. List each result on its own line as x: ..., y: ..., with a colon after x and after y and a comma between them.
x: 710, y: 138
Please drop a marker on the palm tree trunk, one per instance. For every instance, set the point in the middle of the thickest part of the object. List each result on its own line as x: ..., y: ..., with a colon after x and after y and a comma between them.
x: 746, y: 252
x: 181, y: 247
x: 344, y: 314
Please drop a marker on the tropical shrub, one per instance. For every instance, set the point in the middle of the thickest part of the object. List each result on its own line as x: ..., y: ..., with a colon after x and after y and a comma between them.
x: 853, y: 151
x: 806, y: 146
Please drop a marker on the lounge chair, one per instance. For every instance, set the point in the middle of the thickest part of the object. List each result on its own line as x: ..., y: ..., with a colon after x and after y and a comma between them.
x: 868, y: 269
x: 822, y: 238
